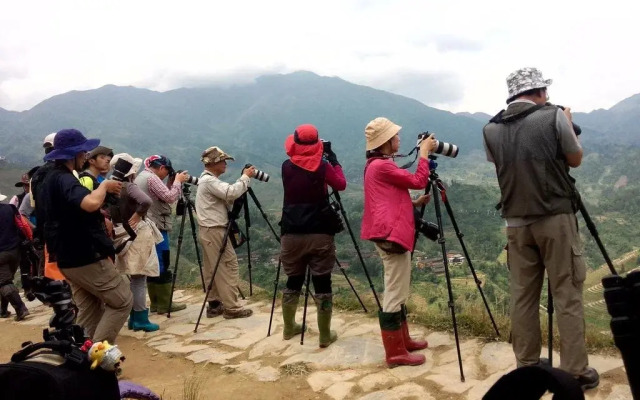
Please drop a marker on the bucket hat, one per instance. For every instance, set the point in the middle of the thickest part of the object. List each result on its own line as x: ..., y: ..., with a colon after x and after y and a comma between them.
x: 304, y: 147
x: 525, y: 79
x: 379, y: 131
x: 68, y: 143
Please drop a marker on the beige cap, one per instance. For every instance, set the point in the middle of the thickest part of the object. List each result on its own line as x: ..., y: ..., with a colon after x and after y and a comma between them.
x: 48, y: 140
x: 135, y: 162
x: 379, y: 131
x: 2, y: 197
x: 213, y: 155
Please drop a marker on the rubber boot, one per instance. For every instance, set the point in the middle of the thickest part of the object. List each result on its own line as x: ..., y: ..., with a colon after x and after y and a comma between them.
x: 392, y: 338
x: 141, y: 322
x: 4, y: 308
x: 10, y: 292
x: 324, y: 304
x: 289, y: 308
x: 153, y: 296
x: 410, y: 344
x: 163, y: 295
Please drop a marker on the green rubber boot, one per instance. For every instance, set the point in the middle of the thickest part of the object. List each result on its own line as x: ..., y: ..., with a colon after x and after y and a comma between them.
x: 153, y: 296
x: 289, y: 308
x: 141, y: 322
x: 324, y: 304
x: 163, y: 295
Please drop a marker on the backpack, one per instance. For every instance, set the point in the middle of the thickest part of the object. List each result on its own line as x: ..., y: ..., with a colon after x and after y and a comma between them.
x: 55, y: 375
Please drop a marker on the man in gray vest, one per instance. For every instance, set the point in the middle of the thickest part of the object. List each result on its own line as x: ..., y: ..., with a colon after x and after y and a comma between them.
x: 150, y: 181
x: 532, y: 145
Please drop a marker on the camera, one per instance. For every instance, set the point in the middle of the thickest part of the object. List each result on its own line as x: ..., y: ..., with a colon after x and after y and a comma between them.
x: 443, y: 148
x: 576, y: 127
x: 428, y: 229
x: 121, y: 169
x: 259, y: 175
x: 191, y: 180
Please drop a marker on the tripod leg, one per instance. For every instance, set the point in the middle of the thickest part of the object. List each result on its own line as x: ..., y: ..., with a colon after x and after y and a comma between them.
x: 353, y: 288
x: 175, y: 268
x: 355, y: 245
x: 306, y: 301
x: 241, y: 294
x: 550, y: 313
x: 189, y: 206
x: 225, y: 239
x: 459, y: 234
x: 275, y: 293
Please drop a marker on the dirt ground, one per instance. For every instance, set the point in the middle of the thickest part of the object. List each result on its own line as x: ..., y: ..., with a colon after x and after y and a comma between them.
x: 167, y: 375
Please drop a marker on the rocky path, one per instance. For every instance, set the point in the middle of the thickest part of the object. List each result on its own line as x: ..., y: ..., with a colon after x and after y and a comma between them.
x: 351, y: 368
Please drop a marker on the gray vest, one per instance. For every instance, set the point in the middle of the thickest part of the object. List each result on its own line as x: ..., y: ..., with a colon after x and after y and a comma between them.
x: 159, y: 212
x: 531, y: 168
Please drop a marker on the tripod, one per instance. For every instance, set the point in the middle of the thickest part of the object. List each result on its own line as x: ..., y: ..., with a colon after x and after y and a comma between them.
x: 436, y: 185
x: 184, y: 207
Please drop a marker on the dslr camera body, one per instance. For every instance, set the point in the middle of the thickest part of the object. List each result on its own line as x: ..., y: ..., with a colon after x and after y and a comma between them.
x: 443, y: 148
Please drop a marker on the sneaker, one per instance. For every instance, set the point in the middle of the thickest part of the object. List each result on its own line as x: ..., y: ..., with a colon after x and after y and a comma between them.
x: 588, y: 379
x: 243, y: 313
x: 5, y: 314
x: 20, y: 315
x: 214, y: 311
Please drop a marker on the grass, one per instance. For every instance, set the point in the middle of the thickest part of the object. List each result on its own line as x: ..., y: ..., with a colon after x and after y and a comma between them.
x: 296, y: 369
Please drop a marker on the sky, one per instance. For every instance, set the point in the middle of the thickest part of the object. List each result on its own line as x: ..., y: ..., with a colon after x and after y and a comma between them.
x: 449, y: 54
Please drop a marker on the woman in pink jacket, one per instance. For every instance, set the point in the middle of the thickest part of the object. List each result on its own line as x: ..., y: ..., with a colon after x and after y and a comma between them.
x: 388, y: 221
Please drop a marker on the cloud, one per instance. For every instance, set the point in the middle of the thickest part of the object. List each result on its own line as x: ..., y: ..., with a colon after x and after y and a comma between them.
x: 428, y: 87
x: 449, y: 43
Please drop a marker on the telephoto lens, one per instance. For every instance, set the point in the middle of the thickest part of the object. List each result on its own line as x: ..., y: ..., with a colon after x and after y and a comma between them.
x: 442, y: 148
x: 192, y: 180
x: 259, y: 175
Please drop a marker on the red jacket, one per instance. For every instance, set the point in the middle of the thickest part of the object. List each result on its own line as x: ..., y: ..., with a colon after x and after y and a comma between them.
x: 388, y: 210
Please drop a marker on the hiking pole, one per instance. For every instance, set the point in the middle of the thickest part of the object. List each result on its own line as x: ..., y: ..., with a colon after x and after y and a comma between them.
x: 304, y: 313
x: 357, y: 247
x: 225, y: 239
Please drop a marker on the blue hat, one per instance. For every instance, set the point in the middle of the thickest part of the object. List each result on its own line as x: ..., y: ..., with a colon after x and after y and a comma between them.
x: 68, y: 143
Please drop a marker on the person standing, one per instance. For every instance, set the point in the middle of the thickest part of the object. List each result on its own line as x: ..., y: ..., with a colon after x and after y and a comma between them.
x: 388, y: 221
x: 307, y: 233
x: 76, y: 237
x: 533, y: 145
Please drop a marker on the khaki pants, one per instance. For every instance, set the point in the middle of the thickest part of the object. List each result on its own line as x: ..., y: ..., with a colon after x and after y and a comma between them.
x: 225, y: 284
x: 397, y: 279
x: 550, y: 244
x: 103, y: 298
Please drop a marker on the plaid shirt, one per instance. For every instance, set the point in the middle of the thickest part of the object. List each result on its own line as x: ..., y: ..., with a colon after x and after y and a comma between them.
x: 160, y: 191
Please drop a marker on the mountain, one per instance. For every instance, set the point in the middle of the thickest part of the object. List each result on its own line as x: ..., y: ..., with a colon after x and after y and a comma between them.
x: 478, y: 116
x: 617, y: 125
x: 249, y: 121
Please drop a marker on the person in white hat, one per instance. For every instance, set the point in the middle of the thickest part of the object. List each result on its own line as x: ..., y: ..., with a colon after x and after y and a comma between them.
x: 533, y: 145
x: 388, y: 221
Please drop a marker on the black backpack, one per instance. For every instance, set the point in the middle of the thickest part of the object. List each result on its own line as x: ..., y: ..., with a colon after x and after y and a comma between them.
x: 55, y: 374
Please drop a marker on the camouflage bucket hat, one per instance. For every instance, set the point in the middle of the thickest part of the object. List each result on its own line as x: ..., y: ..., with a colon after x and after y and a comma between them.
x: 525, y: 79
x: 213, y: 155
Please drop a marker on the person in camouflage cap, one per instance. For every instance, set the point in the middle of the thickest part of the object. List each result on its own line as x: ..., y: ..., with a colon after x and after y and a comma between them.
x: 532, y: 144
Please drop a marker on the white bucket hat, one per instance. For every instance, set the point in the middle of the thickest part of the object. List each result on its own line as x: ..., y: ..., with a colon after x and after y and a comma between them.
x: 2, y: 197
x: 525, y: 79
x: 135, y: 162
x: 379, y: 131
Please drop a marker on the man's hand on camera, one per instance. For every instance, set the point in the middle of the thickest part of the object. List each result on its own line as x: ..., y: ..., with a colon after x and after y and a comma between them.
x: 249, y: 171
x: 181, y: 177
x: 112, y: 186
x: 567, y: 113
x: 331, y: 157
x: 427, y: 146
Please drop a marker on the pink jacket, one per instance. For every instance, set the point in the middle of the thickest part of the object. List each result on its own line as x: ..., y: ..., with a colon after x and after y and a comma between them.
x: 388, y: 210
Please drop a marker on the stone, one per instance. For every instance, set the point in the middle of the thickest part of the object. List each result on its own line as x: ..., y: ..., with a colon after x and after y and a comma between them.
x: 267, y: 374
x: 271, y: 346
x: 452, y: 384
x: 132, y: 333
x: 180, y: 329
x: 370, y: 382
x: 215, y: 334
x: 36, y: 320
x: 345, y: 353
x: 437, y: 339
x: 361, y: 330
x: 467, y: 349
x: 161, y: 339
x: 605, y: 364
x: 212, y: 356
x: 407, y: 390
x: 340, y: 390
x: 497, y: 356
x: 323, y: 379
x: 469, y: 365
x: 178, y: 348
x: 479, y: 390
x: 620, y: 392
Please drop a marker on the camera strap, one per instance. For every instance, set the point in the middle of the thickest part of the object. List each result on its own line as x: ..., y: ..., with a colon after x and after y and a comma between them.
x: 498, y: 119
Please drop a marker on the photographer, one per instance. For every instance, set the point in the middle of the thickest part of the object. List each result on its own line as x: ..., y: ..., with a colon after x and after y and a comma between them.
x: 307, y: 234
x: 96, y: 168
x: 532, y: 146
x: 138, y: 257
x: 76, y: 236
x: 150, y: 181
x: 9, y: 262
x: 388, y: 221
x: 213, y: 199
